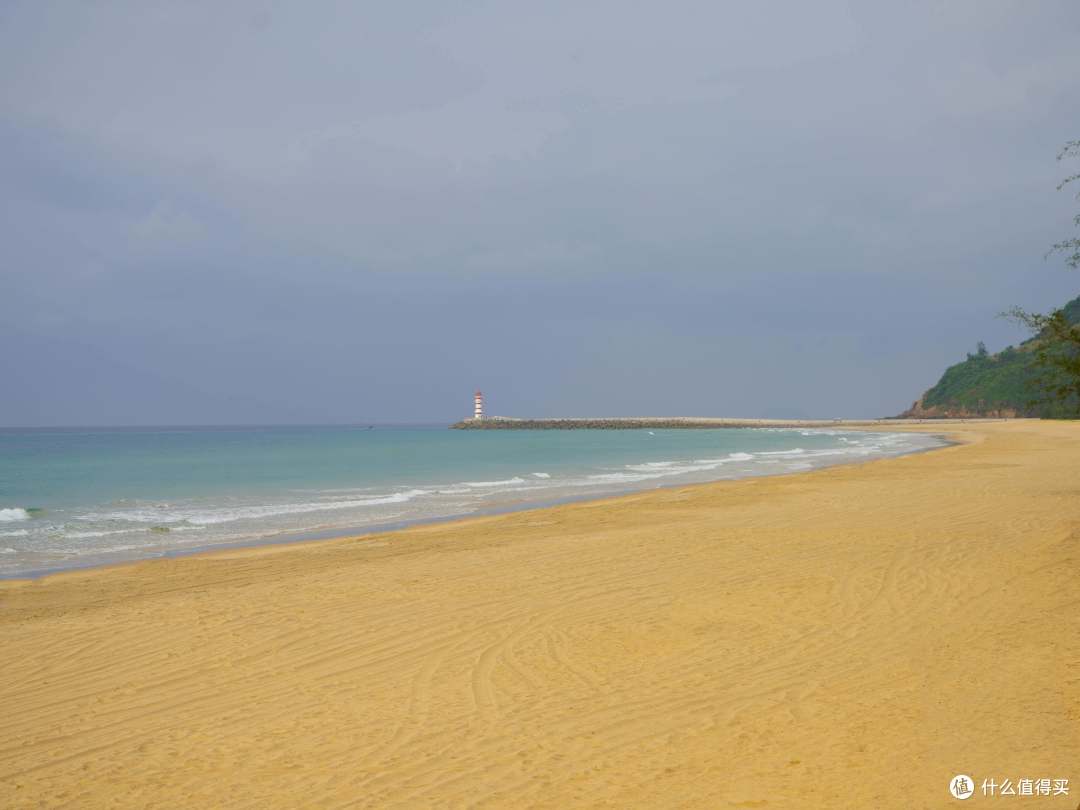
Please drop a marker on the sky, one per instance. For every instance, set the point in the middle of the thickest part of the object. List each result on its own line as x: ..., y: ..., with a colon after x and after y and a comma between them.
x: 259, y: 212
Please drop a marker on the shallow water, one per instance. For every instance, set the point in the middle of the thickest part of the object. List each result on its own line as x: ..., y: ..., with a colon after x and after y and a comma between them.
x: 73, y: 497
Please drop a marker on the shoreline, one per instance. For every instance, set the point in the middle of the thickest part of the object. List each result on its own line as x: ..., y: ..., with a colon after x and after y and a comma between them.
x: 696, y: 423
x: 346, y: 533
x: 848, y: 637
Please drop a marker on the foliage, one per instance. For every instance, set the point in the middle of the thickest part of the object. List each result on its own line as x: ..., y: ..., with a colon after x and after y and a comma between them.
x: 987, y: 383
x: 1024, y: 379
x: 1057, y: 353
x: 1041, y: 377
x: 1056, y: 344
x: 1070, y: 247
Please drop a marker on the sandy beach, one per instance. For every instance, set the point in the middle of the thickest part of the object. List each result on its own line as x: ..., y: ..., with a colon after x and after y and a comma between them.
x: 847, y: 638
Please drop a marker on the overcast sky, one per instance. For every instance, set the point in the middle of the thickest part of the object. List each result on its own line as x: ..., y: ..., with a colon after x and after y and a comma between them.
x: 319, y: 212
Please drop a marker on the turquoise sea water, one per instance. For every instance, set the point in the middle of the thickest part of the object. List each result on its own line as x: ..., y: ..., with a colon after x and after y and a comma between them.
x: 84, y: 496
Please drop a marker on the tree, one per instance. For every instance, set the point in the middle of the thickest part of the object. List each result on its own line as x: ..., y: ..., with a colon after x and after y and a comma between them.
x: 1057, y: 354
x: 1070, y: 247
x: 1057, y: 346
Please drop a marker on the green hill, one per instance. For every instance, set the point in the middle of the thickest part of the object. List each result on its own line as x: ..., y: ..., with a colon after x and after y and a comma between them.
x: 1002, y: 384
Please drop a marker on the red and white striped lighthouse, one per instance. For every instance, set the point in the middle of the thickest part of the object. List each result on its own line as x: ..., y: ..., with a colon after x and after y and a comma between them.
x: 478, y: 405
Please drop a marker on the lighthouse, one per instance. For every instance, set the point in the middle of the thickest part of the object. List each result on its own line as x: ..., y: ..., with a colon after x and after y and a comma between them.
x: 478, y: 405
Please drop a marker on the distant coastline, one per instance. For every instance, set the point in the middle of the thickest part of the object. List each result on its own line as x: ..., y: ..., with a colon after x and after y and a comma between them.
x: 683, y: 422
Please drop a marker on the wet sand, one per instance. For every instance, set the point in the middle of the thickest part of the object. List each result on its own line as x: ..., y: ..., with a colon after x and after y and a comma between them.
x: 847, y: 638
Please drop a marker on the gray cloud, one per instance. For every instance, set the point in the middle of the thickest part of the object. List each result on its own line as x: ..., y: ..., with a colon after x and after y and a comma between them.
x: 337, y: 212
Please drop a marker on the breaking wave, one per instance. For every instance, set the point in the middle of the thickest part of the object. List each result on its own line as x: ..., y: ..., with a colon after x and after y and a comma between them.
x: 508, y: 482
x: 210, y: 517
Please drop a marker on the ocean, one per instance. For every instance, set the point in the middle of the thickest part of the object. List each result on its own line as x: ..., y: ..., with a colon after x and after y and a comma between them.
x: 75, y: 497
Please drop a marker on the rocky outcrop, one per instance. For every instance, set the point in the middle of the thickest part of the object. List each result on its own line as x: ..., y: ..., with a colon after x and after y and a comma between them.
x: 919, y: 410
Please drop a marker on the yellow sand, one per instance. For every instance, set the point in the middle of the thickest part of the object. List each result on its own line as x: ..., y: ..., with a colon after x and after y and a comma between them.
x: 845, y: 638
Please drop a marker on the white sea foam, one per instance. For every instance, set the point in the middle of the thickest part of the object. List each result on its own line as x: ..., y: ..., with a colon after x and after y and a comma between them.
x: 621, y: 478
x: 86, y: 535
x: 13, y: 513
x: 542, y: 475
x: 114, y: 549
x: 652, y: 466
x: 666, y: 469
x: 342, y: 491
x: 16, y: 533
x: 208, y: 517
x: 508, y: 482
x: 89, y: 550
